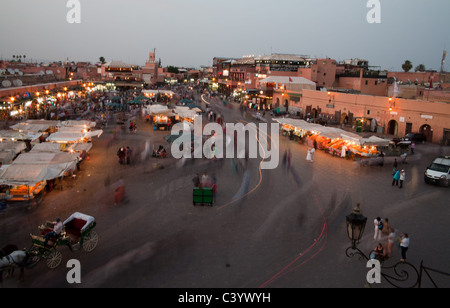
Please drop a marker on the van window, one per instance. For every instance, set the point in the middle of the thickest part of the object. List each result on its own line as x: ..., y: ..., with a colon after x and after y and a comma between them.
x: 439, y: 168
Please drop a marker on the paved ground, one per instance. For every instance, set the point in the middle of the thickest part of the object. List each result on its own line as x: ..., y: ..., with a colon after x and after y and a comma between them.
x: 288, y: 231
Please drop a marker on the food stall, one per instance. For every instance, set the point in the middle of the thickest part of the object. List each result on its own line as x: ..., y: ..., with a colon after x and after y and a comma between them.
x: 22, y: 182
x: 29, y: 138
x: 294, y: 129
x: 27, y: 176
x: 184, y: 114
x: 159, y: 95
x: 161, y: 116
x: 332, y: 140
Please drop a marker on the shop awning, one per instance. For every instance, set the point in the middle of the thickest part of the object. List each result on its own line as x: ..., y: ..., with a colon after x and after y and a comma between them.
x: 70, y: 137
x: 32, y: 158
x: 31, y: 168
x: 184, y: 112
x: 34, y: 126
x: 47, y: 147
x: 78, y: 123
x: 80, y: 147
x: 12, y: 146
x: 165, y: 92
x: 326, y: 131
x: 6, y: 157
x: 348, y: 136
x: 14, y: 135
x: 159, y: 110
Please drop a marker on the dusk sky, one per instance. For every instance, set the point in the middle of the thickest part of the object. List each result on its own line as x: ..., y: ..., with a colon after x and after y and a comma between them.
x: 190, y: 33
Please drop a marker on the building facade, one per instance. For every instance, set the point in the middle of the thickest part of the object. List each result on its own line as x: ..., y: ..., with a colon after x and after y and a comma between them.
x: 393, y: 116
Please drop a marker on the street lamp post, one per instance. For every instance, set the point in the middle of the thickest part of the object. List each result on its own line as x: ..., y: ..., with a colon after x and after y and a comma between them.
x: 356, y: 223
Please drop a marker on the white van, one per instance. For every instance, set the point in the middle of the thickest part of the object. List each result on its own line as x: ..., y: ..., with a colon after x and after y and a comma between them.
x: 439, y: 171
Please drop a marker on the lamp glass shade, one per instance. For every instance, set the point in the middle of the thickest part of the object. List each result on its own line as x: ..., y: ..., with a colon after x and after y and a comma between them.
x: 356, y: 223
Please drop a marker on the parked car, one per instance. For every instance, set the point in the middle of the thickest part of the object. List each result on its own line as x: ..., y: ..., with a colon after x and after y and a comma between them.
x: 274, y: 113
x: 416, y: 137
x: 401, y: 142
x: 439, y: 171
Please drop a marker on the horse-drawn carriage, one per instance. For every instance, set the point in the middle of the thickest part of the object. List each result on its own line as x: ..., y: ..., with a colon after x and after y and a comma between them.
x: 77, y: 233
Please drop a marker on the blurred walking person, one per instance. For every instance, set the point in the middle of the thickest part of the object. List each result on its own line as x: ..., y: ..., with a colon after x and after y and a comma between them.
x: 119, y: 193
x: 396, y: 178
x: 391, y: 239
x: 402, y: 178
x: 308, y: 156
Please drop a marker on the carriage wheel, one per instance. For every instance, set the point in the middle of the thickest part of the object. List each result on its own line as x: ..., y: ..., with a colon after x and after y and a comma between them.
x: 54, y: 259
x: 36, y: 255
x: 90, y: 241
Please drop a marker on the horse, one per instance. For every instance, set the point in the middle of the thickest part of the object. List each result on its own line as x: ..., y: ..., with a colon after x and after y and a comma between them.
x: 18, y: 258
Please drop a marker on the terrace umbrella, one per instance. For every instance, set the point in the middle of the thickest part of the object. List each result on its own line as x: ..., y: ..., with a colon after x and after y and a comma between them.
x: 135, y: 102
x: 185, y: 101
x: 141, y: 98
x: 116, y: 99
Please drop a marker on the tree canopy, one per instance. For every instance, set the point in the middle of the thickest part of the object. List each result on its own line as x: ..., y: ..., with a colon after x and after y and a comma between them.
x: 172, y: 69
x: 420, y: 68
x: 407, y: 66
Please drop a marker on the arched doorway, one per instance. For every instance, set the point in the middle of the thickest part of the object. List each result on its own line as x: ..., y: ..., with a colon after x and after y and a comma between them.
x: 344, y: 118
x: 277, y: 105
x: 427, y: 131
x: 392, y: 128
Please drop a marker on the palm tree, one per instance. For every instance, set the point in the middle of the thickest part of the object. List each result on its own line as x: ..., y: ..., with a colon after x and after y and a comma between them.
x: 102, y: 60
x: 407, y: 66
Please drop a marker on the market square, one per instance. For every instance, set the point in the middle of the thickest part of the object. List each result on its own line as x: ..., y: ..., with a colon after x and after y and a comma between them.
x: 265, y: 171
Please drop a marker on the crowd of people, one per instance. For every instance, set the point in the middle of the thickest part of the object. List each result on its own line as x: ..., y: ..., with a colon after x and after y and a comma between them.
x: 125, y: 155
x: 385, y: 236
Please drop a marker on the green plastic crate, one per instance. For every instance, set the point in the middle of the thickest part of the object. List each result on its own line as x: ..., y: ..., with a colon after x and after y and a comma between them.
x: 202, y: 196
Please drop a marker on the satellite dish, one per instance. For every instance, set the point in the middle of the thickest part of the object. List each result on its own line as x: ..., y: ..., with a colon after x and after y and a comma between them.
x: 49, y: 72
x: 17, y: 83
x: 6, y: 83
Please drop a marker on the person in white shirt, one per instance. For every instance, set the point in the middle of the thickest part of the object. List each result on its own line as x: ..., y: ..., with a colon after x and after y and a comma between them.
x: 57, y: 229
x: 205, y: 180
x: 404, y: 244
x: 376, y: 223
x: 313, y: 150
x: 402, y: 178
